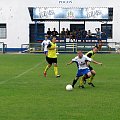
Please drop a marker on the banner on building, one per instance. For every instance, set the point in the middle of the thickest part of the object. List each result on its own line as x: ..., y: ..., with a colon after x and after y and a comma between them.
x: 70, y: 13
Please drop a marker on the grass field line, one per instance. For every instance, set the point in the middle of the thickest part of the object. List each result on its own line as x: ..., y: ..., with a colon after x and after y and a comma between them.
x: 21, y: 74
x: 27, y: 71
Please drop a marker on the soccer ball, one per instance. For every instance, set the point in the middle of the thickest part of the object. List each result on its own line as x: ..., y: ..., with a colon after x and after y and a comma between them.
x: 69, y: 87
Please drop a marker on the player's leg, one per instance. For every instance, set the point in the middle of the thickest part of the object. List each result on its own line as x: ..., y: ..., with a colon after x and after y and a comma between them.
x: 93, y: 73
x: 46, y: 69
x: 91, y: 78
x: 48, y: 66
x: 86, y: 74
x: 75, y: 81
x: 76, y: 78
x: 83, y: 80
x: 56, y: 70
x: 55, y: 67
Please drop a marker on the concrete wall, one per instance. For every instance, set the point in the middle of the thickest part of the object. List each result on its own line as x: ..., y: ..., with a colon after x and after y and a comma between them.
x: 15, y: 14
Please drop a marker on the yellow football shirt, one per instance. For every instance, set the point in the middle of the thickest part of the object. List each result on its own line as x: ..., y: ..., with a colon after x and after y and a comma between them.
x: 90, y: 54
x: 52, y: 51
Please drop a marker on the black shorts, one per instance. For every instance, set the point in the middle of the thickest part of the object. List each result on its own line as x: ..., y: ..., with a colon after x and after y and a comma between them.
x: 51, y: 60
x: 90, y: 68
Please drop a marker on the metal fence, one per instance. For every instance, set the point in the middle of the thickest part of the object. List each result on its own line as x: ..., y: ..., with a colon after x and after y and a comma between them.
x: 71, y: 47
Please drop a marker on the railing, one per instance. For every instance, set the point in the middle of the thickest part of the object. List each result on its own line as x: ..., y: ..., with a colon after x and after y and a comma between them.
x: 72, y: 47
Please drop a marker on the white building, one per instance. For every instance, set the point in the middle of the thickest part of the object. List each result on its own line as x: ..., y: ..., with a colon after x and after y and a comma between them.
x: 16, y: 16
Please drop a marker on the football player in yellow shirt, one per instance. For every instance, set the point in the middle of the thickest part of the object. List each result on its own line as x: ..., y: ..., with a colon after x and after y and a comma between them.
x: 90, y: 54
x: 51, y: 57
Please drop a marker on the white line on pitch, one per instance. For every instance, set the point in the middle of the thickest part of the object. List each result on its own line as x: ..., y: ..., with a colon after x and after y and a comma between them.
x: 2, y: 82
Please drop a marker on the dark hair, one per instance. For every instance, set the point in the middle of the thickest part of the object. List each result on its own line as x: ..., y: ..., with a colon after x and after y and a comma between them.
x: 96, y: 46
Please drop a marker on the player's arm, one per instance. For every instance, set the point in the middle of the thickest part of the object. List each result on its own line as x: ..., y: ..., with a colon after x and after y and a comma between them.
x: 70, y: 63
x: 96, y: 62
x: 49, y: 47
x: 42, y: 44
x: 91, y: 60
x: 87, y: 63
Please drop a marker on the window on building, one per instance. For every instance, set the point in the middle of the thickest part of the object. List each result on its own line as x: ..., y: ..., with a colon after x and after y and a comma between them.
x: 3, y: 31
x: 107, y: 28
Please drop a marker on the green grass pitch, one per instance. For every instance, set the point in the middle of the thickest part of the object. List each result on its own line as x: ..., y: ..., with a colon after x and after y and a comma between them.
x: 25, y: 94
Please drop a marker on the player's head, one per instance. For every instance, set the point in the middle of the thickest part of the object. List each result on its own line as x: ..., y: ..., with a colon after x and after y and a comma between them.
x: 46, y: 37
x: 54, y: 39
x: 95, y: 49
x: 80, y: 54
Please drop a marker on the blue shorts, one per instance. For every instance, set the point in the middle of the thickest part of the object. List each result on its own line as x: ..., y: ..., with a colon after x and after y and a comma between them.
x: 82, y: 72
x: 45, y: 52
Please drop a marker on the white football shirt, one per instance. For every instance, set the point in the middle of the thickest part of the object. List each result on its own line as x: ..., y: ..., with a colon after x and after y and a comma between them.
x: 81, y: 62
x: 45, y: 43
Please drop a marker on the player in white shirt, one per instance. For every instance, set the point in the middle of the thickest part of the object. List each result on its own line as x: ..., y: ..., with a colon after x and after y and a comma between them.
x: 44, y: 44
x: 82, y: 62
